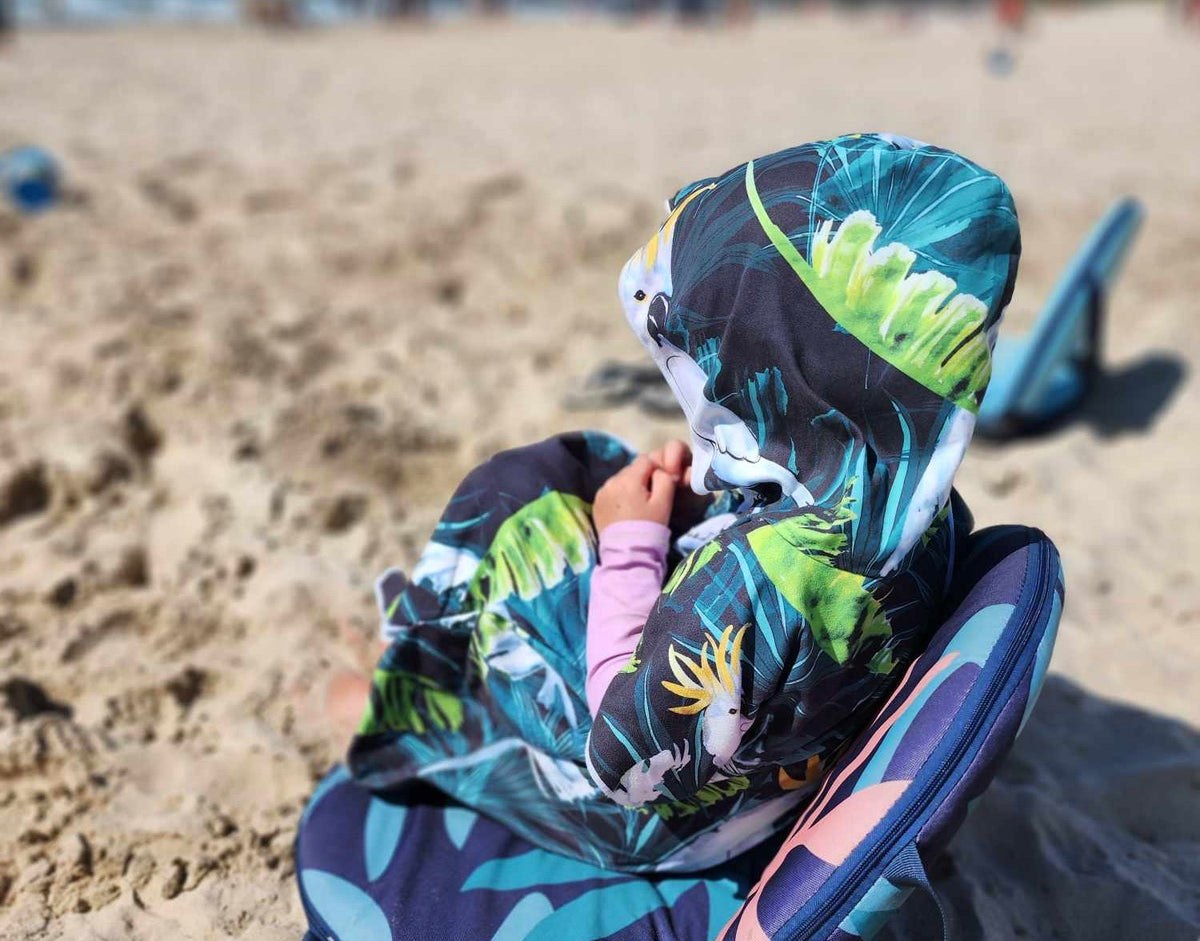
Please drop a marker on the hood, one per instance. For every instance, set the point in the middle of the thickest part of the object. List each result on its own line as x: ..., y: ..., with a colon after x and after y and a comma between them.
x: 825, y: 316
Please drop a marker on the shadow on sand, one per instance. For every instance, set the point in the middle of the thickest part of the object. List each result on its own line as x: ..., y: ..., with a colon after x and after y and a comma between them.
x: 1120, y: 401
x: 1131, y: 398
x: 1090, y: 831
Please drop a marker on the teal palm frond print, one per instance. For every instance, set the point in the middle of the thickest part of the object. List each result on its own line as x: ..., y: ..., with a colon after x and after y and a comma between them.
x: 797, y: 554
x: 917, y: 322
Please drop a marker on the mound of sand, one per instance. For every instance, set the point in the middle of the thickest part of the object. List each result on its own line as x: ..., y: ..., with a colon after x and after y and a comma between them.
x: 1089, y: 831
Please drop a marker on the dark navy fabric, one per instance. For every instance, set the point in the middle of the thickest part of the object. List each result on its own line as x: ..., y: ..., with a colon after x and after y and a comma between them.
x: 414, y: 865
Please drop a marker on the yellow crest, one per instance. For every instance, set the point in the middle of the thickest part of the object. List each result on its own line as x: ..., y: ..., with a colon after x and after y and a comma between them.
x: 705, y: 679
x: 668, y: 228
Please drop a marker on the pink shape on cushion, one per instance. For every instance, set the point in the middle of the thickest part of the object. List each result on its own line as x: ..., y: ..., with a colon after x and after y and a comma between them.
x: 834, y: 836
x: 748, y: 928
x: 865, y: 753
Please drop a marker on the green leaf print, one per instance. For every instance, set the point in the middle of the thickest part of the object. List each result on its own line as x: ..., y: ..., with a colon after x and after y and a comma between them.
x: 535, y: 548
x: 489, y: 628
x: 695, y: 561
x: 708, y: 795
x: 406, y: 702
x: 820, y: 531
x: 914, y: 321
x: 635, y: 659
x: 839, y: 609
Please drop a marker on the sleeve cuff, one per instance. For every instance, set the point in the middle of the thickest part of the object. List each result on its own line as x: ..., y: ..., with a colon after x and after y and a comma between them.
x: 625, y: 535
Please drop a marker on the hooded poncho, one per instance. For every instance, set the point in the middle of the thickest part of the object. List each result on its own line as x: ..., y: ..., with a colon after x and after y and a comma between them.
x: 825, y: 316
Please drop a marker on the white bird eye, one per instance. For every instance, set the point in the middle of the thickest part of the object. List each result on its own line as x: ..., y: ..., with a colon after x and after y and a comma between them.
x: 639, y: 295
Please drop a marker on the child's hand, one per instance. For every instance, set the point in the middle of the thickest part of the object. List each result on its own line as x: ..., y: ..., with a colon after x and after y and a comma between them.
x: 640, y: 491
x: 675, y: 457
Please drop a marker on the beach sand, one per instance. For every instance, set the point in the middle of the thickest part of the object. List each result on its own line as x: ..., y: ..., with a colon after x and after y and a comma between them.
x: 302, y: 282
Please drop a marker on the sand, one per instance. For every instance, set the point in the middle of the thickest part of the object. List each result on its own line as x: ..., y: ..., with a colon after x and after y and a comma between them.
x: 302, y: 282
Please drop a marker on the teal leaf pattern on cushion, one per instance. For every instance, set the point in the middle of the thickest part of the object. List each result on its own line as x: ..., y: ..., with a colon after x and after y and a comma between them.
x: 328, y: 783
x: 972, y: 644
x: 525, y: 915
x: 874, y: 909
x: 607, y: 910
x: 537, y: 867
x: 347, y: 910
x: 458, y: 822
x: 381, y: 835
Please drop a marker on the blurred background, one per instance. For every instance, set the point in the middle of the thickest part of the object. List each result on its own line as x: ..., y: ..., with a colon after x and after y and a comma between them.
x: 306, y: 262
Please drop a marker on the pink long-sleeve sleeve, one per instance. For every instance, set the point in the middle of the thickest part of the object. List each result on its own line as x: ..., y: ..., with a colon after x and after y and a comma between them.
x: 625, y: 585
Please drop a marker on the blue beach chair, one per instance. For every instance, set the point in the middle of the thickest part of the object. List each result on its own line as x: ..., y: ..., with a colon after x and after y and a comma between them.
x: 414, y: 865
x: 1038, y: 378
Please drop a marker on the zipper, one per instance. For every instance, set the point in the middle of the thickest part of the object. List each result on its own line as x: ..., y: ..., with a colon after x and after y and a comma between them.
x: 1016, y: 649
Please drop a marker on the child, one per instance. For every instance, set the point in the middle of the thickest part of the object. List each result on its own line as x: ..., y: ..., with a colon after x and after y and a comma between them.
x: 825, y: 317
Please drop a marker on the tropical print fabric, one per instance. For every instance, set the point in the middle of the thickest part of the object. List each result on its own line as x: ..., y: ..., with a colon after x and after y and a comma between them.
x: 931, y: 749
x: 368, y: 865
x: 825, y: 317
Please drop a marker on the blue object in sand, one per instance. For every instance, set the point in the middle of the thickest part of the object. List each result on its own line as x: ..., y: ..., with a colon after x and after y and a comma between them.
x: 1001, y: 61
x: 1039, y: 377
x: 30, y: 178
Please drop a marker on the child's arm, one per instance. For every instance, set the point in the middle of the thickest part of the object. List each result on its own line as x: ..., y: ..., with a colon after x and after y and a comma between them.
x: 625, y: 586
x: 631, y: 514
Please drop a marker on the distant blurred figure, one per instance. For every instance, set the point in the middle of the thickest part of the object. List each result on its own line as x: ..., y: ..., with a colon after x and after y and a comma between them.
x: 740, y: 11
x: 632, y: 9
x: 1011, y: 15
x: 7, y: 19
x: 1184, y: 11
x: 404, y: 9
x: 488, y: 8
x: 274, y: 13
x: 52, y: 11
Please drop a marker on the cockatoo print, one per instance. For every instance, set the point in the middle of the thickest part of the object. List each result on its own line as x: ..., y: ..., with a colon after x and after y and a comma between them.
x: 716, y: 690
x: 639, y: 785
x: 721, y: 440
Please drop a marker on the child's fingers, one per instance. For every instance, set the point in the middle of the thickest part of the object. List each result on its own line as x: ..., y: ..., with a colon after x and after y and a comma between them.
x: 675, y: 457
x: 662, y: 493
x: 640, y: 471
